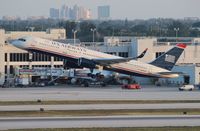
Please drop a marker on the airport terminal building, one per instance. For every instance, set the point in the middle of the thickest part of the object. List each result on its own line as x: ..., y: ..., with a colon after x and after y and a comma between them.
x: 12, y: 57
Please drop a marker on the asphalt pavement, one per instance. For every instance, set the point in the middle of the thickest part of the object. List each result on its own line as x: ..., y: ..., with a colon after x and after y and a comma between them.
x: 96, y: 93
x: 102, y: 121
x: 100, y: 106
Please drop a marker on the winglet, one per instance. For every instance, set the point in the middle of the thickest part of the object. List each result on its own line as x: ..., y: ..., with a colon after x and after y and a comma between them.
x: 181, y: 45
x: 142, y: 54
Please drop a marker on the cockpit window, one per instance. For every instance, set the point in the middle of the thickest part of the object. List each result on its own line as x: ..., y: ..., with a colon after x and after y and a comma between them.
x: 21, y: 39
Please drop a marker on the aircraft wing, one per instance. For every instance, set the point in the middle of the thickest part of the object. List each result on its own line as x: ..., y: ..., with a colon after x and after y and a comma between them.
x: 107, y: 62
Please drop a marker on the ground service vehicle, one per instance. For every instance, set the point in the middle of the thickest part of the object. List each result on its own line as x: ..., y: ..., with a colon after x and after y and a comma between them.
x: 186, y: 87
x: 131, y: 86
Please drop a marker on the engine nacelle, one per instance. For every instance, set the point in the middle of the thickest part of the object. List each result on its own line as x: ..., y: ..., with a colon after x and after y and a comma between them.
x: 86, y: 63
x: 73, y: 80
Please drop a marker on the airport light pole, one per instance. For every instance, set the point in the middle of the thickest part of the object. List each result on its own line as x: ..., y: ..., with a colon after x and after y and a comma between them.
x: 30, y: 57
x: 74, y: 31
x: 93, y: 30
x: 176, y: 30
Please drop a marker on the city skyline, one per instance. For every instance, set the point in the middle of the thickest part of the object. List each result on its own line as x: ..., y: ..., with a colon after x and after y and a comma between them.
x: 70, y: 13
x: 131, y: 9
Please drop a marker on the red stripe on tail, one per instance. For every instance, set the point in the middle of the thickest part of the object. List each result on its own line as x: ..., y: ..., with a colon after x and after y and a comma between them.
x: 181, y: 45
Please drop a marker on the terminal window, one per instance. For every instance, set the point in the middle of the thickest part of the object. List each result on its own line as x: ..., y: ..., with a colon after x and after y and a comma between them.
x: 11, y: 69
x: 22, y: 57
x: 58, y: 58
x: 40, y: 57
x: 123, y: 54
x: 6, y: 57
x: 159, y: 54
x: 14, y: 57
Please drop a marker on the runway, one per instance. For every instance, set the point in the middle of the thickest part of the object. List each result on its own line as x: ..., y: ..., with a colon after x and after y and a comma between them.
x: 102, y: 121
x: 96, y: 93
x: 100, y: 107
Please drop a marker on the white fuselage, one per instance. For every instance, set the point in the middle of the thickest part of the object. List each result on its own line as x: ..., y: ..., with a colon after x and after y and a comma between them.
x: 71, y: 51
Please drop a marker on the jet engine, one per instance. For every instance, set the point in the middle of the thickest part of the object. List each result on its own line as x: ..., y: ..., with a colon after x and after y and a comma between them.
x: 86, y: 63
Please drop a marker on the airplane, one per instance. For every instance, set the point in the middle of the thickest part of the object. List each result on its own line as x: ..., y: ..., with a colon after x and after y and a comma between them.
x: 79, y: 56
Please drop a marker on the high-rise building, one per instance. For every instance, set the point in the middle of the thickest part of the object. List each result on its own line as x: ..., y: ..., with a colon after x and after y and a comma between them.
x: 71, y: 14
x: 104, y: 12
x: 74, y: 13
x: 64, y: 12
x: 54, y: 13
x: 84, y: 13
x: 88, y: 14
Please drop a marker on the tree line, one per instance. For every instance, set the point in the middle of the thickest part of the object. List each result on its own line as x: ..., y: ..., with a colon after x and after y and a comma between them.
x: 152, y: 27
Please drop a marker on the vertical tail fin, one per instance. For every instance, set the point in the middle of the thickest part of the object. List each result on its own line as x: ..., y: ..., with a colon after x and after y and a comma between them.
x: 169, y: 59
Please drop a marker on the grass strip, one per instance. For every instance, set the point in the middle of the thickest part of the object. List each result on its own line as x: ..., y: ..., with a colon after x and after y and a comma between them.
x: 64, y: 102
x: 99, y: 112
x: 118, y: 129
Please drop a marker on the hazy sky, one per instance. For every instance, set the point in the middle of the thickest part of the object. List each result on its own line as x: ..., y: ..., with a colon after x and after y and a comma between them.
x: 120, y: 9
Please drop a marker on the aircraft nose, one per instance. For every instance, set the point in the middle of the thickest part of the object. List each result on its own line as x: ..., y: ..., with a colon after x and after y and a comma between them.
x: 17, y: 43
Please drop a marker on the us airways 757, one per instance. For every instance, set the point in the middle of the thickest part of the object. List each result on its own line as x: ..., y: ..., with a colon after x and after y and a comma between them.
x: 82, y: 57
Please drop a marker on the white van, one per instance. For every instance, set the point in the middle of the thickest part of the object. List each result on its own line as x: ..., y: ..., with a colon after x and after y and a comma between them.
x: 186, y: 87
